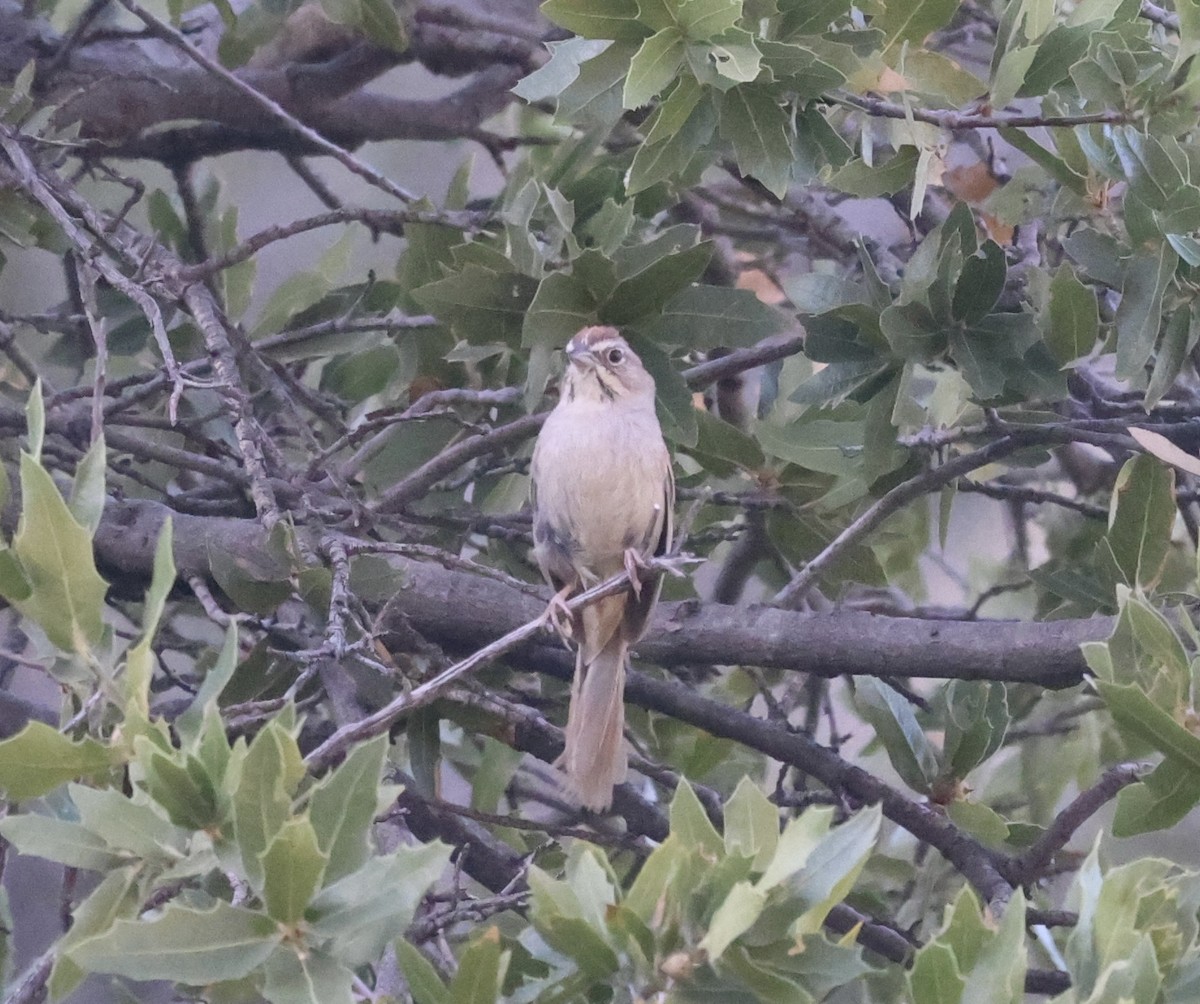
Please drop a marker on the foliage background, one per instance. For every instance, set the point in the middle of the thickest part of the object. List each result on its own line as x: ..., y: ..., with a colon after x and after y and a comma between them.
x: 918, y: 283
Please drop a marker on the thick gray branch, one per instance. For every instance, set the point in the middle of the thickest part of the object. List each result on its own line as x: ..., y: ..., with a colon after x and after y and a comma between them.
x: 118, y: 88
x: 464, y: 612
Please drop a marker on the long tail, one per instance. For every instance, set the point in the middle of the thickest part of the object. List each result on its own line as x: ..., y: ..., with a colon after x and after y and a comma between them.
x: 594, y: 755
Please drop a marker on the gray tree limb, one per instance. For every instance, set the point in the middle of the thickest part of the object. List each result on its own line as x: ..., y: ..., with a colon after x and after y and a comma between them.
x: 462, y: 611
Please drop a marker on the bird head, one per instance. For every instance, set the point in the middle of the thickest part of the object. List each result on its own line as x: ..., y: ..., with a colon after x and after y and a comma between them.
x: 602, y: 367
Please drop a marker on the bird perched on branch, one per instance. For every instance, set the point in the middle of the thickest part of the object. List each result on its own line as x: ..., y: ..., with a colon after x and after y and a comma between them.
x: 603, y: 494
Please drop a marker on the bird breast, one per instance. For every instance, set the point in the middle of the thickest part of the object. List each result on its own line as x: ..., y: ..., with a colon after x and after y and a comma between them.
x: 600, y: 481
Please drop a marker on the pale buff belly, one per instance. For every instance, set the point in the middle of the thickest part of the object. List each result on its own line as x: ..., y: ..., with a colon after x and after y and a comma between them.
x: 614, y: 494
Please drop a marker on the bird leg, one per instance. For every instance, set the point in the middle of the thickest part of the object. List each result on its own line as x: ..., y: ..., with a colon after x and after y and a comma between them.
x: 558, y: 615
x: 635, y: 565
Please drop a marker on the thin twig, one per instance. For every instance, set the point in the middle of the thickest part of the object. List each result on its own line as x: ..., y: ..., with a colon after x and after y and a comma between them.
x: 378, y: 220
x: 895, y: 500
x: 1034, y: 496
x: 1033, y: 862
x: 352, y: 163
x: 950, y: 119
x: 381, y: 720
x: 1155, y: 13
x: 33, y: 183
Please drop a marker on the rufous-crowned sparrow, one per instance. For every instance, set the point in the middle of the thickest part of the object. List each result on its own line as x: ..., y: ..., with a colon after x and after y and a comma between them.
x: 603, y: 494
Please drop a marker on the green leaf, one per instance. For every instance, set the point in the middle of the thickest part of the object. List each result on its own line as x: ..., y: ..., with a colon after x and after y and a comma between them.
x: 819, y: 293
x: 654, y: 66
x: 809, y: 17
x: 423, y: 981
x: 977, y: 719
x: 215, y: 680
x: 1140, y: 519
x: 690, y: 823
x: 561, y: 70
x: 1099, y: 255
x: 183, y: 945
x: 1052, y: 165
x: 934, y: 977
x: 87, y: 489
x: 61, y: 841
x: 807, y: 76
x: 374, y: 905
x: 999, y: 973
x: 127, y: 825
x: 113, y: 897
x: 751, y: 824
x: 299, y: 975
x: 561, y: 306
x: 1162, y: 799
x: 646, y: 291
x: 35, y: 421
x: 584, y: 895
x: 833, y: 867
x: 980, y: 283
x: 480, y: 970
x: 302, y: 290
x: 869, y: 181
x: 139, y: 662
x: 1073, y: 321
x: 1180, y: 337
x: 1137, y: 716
x: 979, y: 820
x: 712, y: 316
x: 187, y: 795
x: 594, y: 99
x: 940, y: 76
x: 736, y: 915
x: 722, y: 447
x: 1139, y: 314
x: 66, y: 592
x: 381, y: 24
x: 293, y: 866
x: 752, y: 120
x: 822, y: 445
x: 479, y: 305
x: 799, y: 839
x: 342, y: 807
x: 911, y: 20
x: 735, y: 56
x: 903, y: 739
x: 669, y: 155
x: 261, y: 803
x: 615, y: 19
x: 676, y: 410
x: 38, y: 759
x: 704, y: 19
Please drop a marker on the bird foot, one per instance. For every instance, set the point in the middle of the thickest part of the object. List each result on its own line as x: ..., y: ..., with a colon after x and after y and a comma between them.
x: 558, y: 616
x: 636, y: 566
x: 676, y: 566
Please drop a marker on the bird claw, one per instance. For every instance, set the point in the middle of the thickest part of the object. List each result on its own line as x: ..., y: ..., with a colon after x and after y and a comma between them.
x: 635, y: 565
x: 558, y: 616
x: 676, y: 566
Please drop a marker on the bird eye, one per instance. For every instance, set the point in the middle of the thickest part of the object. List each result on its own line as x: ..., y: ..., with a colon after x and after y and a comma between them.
x: 616, y: 356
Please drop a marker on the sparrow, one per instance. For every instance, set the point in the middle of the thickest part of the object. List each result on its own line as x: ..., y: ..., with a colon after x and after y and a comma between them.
x: 603, y: 493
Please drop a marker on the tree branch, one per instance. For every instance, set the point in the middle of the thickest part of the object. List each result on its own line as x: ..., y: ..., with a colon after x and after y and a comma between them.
x: 1033, y: 862
x: 949, y: 119
x: 465, y: 612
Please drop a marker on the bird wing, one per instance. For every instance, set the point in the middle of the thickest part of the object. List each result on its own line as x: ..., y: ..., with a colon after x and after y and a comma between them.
x: 639, y: 608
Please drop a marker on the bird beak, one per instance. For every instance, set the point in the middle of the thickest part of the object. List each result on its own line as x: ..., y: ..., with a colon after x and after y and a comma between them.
x: 577, y: 355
